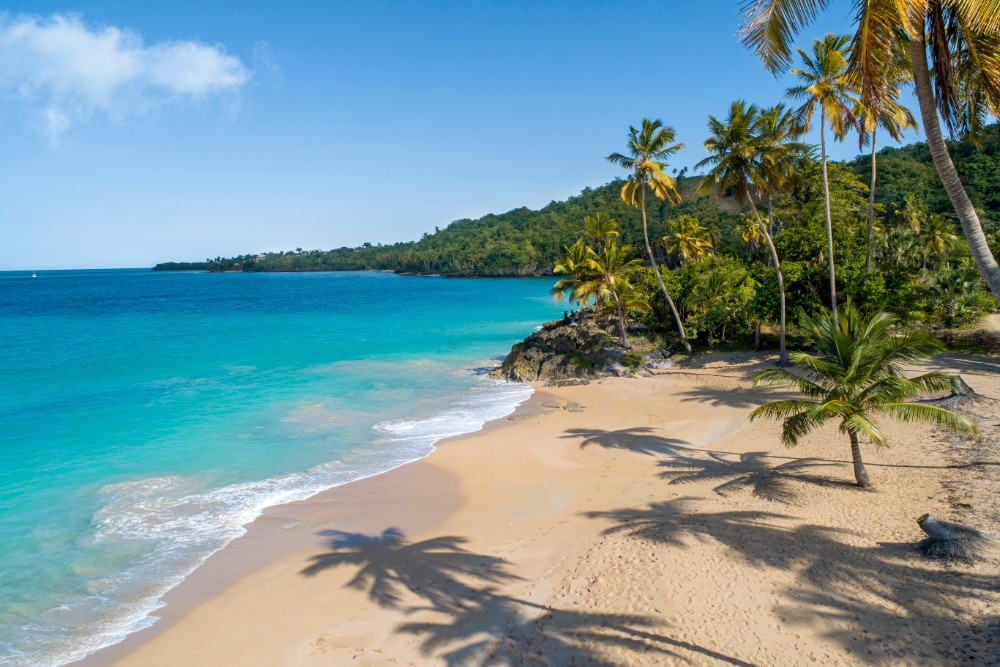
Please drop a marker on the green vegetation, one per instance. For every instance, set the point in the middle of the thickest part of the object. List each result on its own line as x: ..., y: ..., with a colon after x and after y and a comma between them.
x: 908, y: 276
x: 855, y: 375
x: 958, y: 39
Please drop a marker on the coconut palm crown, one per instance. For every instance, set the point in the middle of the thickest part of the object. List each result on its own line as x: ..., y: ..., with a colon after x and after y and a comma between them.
x: 854, y: 375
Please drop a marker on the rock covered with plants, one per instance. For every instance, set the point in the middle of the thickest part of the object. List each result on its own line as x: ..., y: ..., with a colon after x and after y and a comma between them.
x: 577, y: 349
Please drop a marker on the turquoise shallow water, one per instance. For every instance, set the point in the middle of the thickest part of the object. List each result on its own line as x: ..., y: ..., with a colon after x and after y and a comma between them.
x: 146, y: 417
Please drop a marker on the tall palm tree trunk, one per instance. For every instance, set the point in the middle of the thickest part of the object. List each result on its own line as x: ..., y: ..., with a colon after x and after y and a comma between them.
x: 770, y: 213
x: 966, y: 212
x: 871, y: 209
x: 860, y: 474
x: 782, y: 353
x: 659, y: 278
x: 829, y: 218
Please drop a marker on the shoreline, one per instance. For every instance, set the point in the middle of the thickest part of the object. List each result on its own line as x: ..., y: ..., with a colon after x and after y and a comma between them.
x: 568, y: 518
x: 224, y: 568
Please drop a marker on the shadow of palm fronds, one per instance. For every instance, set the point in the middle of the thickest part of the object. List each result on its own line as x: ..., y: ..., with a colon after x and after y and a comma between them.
x: 640, y: 439
x: 433, y: 569
x: 907, y: 607
x: 751, y: 470
x: 496, y: 629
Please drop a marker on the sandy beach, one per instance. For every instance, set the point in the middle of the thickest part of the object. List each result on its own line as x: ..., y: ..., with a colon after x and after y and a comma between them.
x: 625, y: 522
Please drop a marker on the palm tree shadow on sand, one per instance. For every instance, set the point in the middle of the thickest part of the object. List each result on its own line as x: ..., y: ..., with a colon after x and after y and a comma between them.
x: 639, y: 439
x: 685, y: 464
x: 485, y: 627
x: 890, y: 604
x: 388, y: 564
x: 749, y: 470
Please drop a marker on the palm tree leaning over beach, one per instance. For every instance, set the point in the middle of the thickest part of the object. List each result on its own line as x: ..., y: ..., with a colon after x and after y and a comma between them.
x: 825, y: 86
x: 962, y: 38
x: 734, y: 154
x: 854, y: 374
x: 648, y: 150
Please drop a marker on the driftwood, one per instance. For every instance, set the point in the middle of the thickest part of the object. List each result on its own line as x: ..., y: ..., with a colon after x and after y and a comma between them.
x: 949, y: 541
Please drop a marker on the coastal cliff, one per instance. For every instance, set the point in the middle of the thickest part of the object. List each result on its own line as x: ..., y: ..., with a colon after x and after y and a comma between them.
x: 575, y: 350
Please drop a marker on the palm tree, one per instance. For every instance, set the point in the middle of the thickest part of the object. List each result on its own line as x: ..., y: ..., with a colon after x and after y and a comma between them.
x: 648, y: 150
x: 600, y: 228
x: 735, y: 157
x: 749, y: 232
x: 937, y: 237
x: 963, y: 40
x: 885, y: 112
x: 952, y: 288
x: 578, y: 282
x: 608, y: 280
x: 913, y: 213
x: 825, y: 86
x: 854, y: 375
x: 778, y: 129
x: 687, y: 239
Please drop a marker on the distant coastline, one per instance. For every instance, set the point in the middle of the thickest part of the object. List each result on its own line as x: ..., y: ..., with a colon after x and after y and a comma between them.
x: 525, y: 242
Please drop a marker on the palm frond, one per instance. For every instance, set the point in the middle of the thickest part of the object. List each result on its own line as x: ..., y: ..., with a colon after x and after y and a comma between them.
x: 928, y: 414
x: 781, y: 409
x: 782, y: 377
x: 799, y: 425
x: 769, y: 27
x: 862, y: 424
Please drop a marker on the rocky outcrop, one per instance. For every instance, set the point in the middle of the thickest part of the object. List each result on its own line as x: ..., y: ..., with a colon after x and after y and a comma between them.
x: 575, y: 351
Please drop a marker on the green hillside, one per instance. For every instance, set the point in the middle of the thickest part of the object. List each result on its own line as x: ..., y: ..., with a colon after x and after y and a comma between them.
x: 527, y: 242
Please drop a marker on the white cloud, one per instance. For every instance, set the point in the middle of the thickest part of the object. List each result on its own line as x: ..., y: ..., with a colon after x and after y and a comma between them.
x: 63, y: 72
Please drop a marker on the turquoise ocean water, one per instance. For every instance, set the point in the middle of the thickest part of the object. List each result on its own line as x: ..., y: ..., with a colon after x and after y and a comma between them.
x: 146, y: 417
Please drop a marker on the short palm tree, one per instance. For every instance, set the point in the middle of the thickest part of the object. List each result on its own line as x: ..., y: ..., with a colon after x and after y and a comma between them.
x: 913, y: 214
x: 578, y: 281
x: 959, y: 40
x: 687, y: 239
x: 609, y: 281
x: 937, y: 237
x: 854, y: 374
x: 648, y: 150
x: 749, y: 233
x: 600, y: 228
x: 826, y: 86
x: 735, y: 156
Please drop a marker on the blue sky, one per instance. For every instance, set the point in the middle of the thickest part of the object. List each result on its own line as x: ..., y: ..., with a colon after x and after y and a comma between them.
x: 137, y: 132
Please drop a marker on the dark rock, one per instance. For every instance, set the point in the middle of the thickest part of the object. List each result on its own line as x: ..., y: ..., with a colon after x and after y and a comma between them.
x: 574, y: 348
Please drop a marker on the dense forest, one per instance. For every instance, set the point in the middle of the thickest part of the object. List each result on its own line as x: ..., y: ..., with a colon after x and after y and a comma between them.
x: 527, y: 242
x: 716, y: 263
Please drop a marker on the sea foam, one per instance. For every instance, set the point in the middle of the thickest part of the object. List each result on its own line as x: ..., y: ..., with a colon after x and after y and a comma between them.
x: 173, y: 528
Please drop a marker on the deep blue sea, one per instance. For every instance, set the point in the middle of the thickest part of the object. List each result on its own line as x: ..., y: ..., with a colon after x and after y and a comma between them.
x: 146, y: 417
